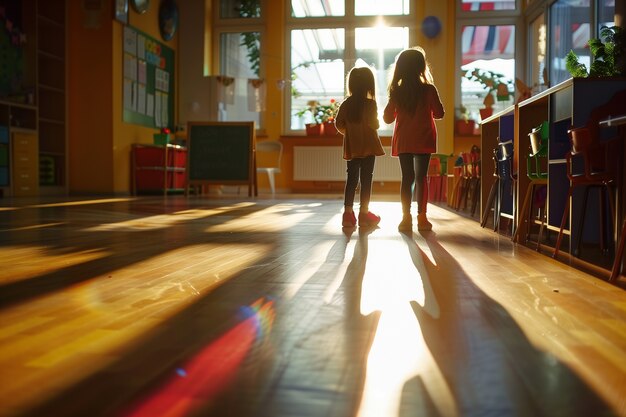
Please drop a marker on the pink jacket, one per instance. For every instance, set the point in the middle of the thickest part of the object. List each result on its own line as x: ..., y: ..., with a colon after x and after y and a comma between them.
x: 415, y: 133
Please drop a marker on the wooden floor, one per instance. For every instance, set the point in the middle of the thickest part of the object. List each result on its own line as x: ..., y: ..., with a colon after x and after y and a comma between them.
x: 170, y: 306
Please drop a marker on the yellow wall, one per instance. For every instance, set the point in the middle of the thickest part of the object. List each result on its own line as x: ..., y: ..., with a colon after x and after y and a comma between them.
x: 100, y: 142
x: 90, y: 98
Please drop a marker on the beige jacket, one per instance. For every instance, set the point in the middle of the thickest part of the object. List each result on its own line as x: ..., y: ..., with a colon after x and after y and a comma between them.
x: 359, y: 139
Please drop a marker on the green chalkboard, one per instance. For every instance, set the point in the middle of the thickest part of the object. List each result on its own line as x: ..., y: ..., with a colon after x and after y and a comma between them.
x: 221, y: 153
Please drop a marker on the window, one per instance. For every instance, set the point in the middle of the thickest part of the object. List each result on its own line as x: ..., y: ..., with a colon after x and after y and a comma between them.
x: 327, y: 38
x: 537, y: 53
x: 486, y: 57
x: 239, y: 36
x: 487, y: 5
x: 240, y: 58
x: 487, y: 69
x: 238, y: 9
x: 569, y: 30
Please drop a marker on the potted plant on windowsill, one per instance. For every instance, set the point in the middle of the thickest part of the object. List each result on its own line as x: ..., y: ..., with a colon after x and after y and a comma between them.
x: 464, y: 125
x: 321, y: 118
x: 493, y: 82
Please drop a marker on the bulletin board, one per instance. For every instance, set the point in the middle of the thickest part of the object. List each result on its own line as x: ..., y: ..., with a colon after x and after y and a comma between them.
x: 221, y: 153
x: 148, y: 85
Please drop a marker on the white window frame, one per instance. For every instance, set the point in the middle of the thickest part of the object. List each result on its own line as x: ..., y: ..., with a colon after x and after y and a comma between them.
x: 489, y: 18
x: 238, y: 25
x: 348, y: 23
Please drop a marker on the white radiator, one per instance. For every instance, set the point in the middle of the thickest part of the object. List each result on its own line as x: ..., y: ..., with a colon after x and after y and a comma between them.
x: 326, y: 163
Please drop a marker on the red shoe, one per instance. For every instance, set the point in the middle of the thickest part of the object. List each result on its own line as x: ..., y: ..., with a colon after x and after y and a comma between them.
x: 368, y: 219
x: 349, y: 220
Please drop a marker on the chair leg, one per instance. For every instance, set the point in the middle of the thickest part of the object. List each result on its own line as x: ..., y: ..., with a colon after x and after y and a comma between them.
x: 475, y: 196
x: 525, y: 209
x: 557, y: 246
x: 581, y: 223
x: 490, y: 201
x: 619, y: 253
x: 542, y: 216
x: 270, y: 177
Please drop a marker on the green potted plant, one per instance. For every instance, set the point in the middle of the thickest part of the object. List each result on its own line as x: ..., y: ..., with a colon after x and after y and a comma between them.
x: 493, y: 82
x: 608, y: 55
x: 319, y: 116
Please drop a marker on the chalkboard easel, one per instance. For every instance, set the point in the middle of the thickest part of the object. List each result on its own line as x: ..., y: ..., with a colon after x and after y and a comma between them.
x: 221, y: 153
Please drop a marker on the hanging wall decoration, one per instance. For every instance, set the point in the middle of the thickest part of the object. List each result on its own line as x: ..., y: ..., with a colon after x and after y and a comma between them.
x: 168, y: 19
x: 140, y: 6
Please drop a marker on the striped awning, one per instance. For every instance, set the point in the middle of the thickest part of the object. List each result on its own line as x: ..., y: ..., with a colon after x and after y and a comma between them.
x: 487, y: 42
x: 481, y: 5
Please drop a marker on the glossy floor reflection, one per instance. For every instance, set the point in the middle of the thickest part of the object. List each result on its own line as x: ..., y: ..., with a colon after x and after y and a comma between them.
x: 213, y: 307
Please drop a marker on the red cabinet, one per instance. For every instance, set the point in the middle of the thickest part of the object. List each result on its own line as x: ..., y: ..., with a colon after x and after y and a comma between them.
x: 158, y: 168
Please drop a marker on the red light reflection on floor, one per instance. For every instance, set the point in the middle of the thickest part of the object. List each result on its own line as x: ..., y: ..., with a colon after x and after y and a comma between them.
x: 211, y: 370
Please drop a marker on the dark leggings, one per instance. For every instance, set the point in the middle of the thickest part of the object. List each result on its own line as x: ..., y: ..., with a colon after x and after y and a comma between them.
x: 414, y: 169
x: 363, y: 169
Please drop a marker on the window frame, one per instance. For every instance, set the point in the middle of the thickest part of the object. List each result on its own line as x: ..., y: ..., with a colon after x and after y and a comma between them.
x: 462, y: 14
x: 349, y: 23
x: 238, y: 25
x: 489, y: 19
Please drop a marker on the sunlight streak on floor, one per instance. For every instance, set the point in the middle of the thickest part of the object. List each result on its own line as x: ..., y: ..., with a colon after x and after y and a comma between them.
x: 71, y: 203
x: 399, y: 353
x: 274, y: 219
x: 162, y: 221
x: 27, y: 261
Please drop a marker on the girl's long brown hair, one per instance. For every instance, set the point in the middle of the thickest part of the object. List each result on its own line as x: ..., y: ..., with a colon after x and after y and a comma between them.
x: 410, y: 75
x: 361, y: 86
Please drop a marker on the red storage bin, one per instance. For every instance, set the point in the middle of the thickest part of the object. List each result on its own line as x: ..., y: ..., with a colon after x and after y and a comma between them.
x: 150, y: 180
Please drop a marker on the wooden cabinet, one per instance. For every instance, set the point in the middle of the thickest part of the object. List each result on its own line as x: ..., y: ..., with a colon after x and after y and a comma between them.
x: 19, y: 159
x: 25, y: 163
x: 564, y: 106
x: 33, y: 144
x: 158, y: 168
x: 51, y: 94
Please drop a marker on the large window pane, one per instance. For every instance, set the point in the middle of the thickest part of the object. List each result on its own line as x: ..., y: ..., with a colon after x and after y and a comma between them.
x: 486, y: 5
x: 488, y: 52
x: 317, y: 65
x: 537, y: 50
x: 317, y: 8
x: 377, y: 48
x: 570, y: 30
x: 240, y: 9
x: 606, y: 13
x: 381, y: 8
x: 240, y: 58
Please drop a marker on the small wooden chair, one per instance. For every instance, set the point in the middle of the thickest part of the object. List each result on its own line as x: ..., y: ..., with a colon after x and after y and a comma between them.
x: 537, y: 172
x: 269, y: 156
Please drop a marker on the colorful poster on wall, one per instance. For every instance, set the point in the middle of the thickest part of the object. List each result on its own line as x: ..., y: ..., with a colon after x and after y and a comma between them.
x: 148, y: 75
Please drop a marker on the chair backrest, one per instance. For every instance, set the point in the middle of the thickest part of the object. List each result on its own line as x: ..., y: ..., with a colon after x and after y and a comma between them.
x: 504, y: 156
x: 434, y: 167
x: 269, y: 153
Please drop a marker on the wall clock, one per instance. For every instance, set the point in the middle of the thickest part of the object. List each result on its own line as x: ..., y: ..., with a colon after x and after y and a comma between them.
x: 140, y: 6
x: 168, y: 19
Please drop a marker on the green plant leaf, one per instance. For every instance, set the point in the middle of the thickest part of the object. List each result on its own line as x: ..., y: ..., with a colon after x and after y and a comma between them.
x: 575, y: 68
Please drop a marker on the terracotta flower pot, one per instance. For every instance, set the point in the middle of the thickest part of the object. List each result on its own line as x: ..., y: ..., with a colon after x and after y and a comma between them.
x: 329, y: 129
x: 313, y: 129
x: 465, y: 127
x: 486, y: 112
